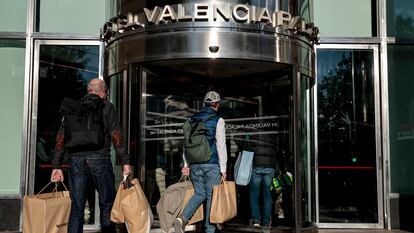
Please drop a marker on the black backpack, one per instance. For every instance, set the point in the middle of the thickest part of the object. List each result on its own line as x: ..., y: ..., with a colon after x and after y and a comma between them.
x: 83, y: 123
x: 196, y: 146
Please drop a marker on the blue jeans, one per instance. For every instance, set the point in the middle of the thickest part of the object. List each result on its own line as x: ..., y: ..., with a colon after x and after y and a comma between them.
x: 85, y: 170
x: 204, y: 177
x: 260, y: 181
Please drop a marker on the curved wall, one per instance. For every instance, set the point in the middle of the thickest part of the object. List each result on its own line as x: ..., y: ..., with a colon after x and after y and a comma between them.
x: 227, y: 29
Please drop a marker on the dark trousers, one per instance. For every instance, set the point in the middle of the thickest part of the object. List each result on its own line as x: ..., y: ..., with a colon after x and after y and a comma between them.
x: 86, y: 170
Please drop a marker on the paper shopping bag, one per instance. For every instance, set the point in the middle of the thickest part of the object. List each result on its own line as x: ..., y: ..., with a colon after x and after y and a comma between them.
x: 46, y: 212
x: 224, y: 202
x: 117, y: 215
x: 131, y: 206
x: 199, y: 214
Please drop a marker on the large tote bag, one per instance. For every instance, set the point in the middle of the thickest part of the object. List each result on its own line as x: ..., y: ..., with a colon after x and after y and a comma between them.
x: 243, y: 168
x: 173, y: 202
x: 224, y: 202
x: 131, y: 207
x: 47, y: 212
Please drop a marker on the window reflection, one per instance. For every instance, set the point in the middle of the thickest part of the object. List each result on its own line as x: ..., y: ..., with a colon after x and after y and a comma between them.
x: 346, y: 137
x: 400, y: 19
x: 401, y: 108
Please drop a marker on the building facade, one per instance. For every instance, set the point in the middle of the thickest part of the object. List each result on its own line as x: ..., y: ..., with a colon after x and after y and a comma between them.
x: 338, y: 109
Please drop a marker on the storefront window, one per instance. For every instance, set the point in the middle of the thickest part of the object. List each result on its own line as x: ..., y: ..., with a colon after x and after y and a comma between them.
x: 12, y: 54
x: 401, y: 105
x: 13, y: 15
x: 400, y: 19
x: 350, y: 18
x: 74, y: 16
x: 347, y: 160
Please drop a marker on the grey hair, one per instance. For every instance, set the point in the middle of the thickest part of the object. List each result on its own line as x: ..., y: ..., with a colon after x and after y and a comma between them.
x: 96, y: 86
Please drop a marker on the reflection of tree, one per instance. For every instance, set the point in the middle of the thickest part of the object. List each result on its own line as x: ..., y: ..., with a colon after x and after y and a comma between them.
x: 68, y: 65
x: 63, y: 72
x: 347, y: 137
x: 334, y: 104
x: 404, y: 26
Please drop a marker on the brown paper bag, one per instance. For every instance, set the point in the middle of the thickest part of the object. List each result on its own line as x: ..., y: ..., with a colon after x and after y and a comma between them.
x: 224, y: 202
x: 199, y: 214
x: 131, y: 206
x: 117, y: 215
x: 46, y: 212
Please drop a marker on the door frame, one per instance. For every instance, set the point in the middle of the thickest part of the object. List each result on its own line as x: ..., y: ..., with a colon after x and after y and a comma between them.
x: 380, y: 171
x: 32, y: 115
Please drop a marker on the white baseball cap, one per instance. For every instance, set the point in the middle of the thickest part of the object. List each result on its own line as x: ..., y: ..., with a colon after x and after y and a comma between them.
x: 212, y: 97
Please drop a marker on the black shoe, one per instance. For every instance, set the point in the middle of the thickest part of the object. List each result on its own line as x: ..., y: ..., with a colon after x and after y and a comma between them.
x: 108, y: 229
x: 179, y: 225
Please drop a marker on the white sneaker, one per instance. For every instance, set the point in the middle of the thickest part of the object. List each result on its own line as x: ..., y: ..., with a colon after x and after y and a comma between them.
x: 179, y: 225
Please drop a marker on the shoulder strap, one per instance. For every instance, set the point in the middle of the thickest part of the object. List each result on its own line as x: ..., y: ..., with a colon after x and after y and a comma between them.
x: 208, y: 118
x: 202, y: 121
x: 193, y: 128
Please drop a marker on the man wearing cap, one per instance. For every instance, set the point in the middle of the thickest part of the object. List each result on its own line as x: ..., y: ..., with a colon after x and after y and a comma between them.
x: 205, y: 175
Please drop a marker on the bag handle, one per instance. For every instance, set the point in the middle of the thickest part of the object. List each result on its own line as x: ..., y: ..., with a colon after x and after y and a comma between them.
x: 56, y: 186
x: 126, y: 181
x: 125, y: 177
x: 184, y: 178
x: 54, y: 189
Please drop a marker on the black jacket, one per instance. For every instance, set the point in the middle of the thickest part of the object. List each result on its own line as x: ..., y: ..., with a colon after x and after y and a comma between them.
x: 112, y: 131
x: 265, y: 148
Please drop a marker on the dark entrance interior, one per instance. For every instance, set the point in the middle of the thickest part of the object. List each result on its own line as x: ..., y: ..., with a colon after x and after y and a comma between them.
x: 256, y: 105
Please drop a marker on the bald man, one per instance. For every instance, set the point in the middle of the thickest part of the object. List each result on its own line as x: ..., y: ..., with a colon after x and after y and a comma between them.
x: 91, y: 165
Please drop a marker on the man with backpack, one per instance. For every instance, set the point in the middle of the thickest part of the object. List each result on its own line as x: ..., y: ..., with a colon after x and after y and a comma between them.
x: 207, y: 164
x: 88, y: 128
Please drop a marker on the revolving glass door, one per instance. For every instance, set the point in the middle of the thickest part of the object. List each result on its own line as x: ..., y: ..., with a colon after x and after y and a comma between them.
x: 257, y: 106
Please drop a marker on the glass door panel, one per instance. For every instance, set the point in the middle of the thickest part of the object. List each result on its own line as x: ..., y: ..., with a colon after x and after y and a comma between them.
x: 307, y: 151
x: 349, y: 186
x: 256, y: 106
x: 63, y: 70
